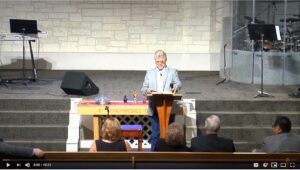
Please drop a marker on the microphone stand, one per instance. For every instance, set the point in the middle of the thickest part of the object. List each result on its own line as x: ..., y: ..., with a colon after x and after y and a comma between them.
x: 107, y: 109
x: 224, y: 68
x: 226, y: 77
x: 23, y: 67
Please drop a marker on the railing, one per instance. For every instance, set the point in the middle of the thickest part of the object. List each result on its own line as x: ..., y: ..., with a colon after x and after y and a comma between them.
x: 162, y: 160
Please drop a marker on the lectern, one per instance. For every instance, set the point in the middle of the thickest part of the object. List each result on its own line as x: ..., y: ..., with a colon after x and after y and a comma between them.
x: 164, y: 102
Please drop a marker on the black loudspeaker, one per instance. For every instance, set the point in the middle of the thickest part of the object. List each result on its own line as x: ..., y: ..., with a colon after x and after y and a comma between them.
x: 78, y: 83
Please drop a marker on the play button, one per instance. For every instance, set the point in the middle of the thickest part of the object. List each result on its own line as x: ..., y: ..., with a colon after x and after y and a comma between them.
x: 7, y: 165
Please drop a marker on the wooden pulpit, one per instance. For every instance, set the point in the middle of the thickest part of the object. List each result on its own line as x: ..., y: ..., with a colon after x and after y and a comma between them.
x: 164, y: 102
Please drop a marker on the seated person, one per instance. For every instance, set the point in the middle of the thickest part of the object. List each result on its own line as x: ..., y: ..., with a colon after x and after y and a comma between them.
x: 111, y: 137
x: 19, y: 151
x: 211, y: 142
x: 282, y: 140
x: 175, y: 140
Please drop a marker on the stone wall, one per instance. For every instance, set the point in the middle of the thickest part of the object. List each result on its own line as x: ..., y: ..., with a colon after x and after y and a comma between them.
x: 121, y: 26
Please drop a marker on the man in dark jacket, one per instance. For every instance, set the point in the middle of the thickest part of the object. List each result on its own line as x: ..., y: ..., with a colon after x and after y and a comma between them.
x: 19, y: 151
x: 211, y: 142
x: 282, y: 140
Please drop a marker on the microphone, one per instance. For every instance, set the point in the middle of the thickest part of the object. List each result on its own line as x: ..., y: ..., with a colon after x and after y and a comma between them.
x: 107, y: 109
x: 172, y: 88
x: 160, y: 74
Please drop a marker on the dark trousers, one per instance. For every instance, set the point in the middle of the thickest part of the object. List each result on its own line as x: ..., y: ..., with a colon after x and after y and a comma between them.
x: 155, y: 128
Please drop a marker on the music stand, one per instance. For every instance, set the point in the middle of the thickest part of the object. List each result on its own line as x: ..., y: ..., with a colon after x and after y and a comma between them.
x: 261, y: 32
x: 25, y: 27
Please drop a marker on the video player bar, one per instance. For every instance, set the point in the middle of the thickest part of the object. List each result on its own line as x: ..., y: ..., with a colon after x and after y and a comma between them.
x: 113, y: 164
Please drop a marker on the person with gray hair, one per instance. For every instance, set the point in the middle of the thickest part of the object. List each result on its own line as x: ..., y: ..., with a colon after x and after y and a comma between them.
x: 160, y: 79
x: 211, y: 142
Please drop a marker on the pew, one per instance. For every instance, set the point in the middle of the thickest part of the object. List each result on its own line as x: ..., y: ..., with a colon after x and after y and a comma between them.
x: 162, y: 160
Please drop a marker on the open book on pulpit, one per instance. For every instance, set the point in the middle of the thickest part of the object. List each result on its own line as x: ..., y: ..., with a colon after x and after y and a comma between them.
x: 176, y: 96
x: 162, y: 93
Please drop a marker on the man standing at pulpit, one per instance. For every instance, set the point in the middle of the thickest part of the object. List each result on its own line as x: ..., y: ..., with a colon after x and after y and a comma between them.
x: 160, y: 79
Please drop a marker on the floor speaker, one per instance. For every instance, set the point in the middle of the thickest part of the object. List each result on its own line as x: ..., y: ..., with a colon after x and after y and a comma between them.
x: 78, y: 83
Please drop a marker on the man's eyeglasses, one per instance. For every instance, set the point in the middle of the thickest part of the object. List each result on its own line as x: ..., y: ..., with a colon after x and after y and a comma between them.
x: 160, y: 62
